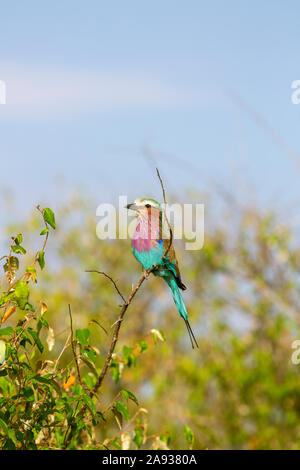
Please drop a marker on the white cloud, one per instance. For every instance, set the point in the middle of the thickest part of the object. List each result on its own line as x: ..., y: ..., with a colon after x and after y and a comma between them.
x: 36, y: 91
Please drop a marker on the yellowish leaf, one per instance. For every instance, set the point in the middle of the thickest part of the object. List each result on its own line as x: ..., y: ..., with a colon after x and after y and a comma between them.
x: 71, y: 380
x: 44, y: 308
x: 8, y: 313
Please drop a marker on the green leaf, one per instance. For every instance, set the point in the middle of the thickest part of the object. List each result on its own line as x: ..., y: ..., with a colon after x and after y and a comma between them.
x: 189, y: 435
x: 125, y: 394
x: 4, y: 426
x: 47, y: 381
x: 21, y: 294
x: 41, y: 259
x: 89, y: 354
x: 89, y: 380
x: 6, y: 331
x: 101, y: 415
x: 44, y: 231
x: 25, y: 337
x: 115, y: 370
x: 6, y: 298
x: 56, y: 386
x: 122, y: 409
x: 29, y: 307
x: 14, y: 263
x: 32, y: 271
x: 49, y: 217
x: 19, y: 239
x: 9, y: 445
x: 144, y: 345
x: 89, y: 402
x: 165, y: 438
x: 129, y: 396
x: 138, y: 437
x: 116, y: 444
x: 37, y: 340
x: 18, y: 249
x: 128, y: 356
x: 43, y: 322
x: 83, y: 336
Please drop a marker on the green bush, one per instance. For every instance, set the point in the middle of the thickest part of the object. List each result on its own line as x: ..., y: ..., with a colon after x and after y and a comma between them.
x: 239, y: 390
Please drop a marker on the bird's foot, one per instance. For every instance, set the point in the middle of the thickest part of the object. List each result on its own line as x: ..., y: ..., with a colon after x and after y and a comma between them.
x: 150, y: 270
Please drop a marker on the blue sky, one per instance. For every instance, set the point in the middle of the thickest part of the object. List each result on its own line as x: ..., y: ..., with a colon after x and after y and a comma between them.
x: 91, y: 85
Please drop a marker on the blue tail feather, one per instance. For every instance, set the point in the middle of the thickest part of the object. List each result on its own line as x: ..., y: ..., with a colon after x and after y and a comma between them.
x: 181, y: 307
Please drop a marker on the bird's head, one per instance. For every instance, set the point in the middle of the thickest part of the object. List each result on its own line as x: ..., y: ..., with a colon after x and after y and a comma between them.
x: 143, y: 206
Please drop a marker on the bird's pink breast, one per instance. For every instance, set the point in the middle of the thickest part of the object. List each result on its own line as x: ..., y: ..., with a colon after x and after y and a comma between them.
x: 146, y: 234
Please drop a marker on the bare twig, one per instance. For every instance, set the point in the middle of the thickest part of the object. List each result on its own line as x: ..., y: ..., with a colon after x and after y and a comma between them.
x: 111, y: 279
x: 118, y: 326
x: 165, y: 214
x: 99, y: 324
x: 66, y: 345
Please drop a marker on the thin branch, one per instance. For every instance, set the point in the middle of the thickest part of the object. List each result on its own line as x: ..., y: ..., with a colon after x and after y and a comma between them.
x: 111, y: 279
x: 99, y: 324
x: 66, y: 345
x: 47, y: 233
x: 165, y: 214
x: 117, y: 328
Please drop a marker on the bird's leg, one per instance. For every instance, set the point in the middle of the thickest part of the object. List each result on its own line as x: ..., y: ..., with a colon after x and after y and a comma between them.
x: 150, y: 270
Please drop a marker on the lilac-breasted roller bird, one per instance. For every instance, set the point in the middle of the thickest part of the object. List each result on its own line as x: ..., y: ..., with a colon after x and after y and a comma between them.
x: 151, y: 248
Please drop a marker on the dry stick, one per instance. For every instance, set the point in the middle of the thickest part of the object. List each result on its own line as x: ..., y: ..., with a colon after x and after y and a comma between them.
x: 117, y: 329
x: 61, y: 353
x: 165, y: 214
x: 111, y: 279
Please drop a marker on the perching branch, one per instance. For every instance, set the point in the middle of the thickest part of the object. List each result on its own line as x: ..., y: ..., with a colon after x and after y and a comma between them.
x: 117, y: 328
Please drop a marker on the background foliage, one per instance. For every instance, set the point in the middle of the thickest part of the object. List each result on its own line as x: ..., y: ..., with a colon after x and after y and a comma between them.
x: 239, y: 390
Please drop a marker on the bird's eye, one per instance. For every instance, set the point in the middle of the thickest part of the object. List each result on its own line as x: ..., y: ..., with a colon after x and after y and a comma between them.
x: 147, y: 205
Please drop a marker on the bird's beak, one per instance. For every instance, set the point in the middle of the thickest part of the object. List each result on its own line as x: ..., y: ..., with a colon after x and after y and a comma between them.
x: 132, y: 207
